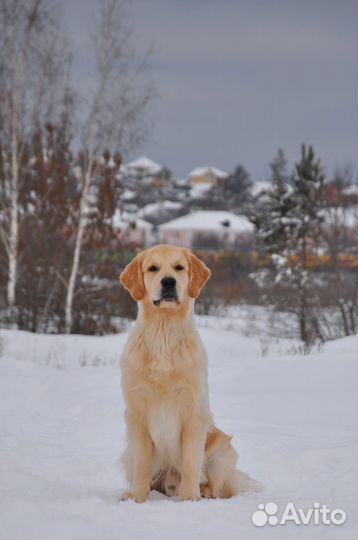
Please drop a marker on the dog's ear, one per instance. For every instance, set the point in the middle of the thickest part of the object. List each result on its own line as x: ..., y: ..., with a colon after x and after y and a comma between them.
x: 132, y: 279
x: 199, y: 274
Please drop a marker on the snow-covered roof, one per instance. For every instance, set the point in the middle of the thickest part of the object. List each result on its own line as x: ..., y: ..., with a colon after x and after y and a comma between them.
x: 143, y: 163
x: 180, y: 182
x: 210, y: 220
x: 264, y: 186
x: 124, y: 220
x: 260, y: 187
x: 203, y: 171
x: 155, y: 208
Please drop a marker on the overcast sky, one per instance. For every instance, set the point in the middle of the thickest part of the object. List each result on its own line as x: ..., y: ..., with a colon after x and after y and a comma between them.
x: 237, y: 79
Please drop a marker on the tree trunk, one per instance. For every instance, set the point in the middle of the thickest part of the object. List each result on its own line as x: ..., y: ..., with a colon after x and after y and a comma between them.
x: 14, y: 220
x: 77, y: 251
x: 302, y: 323
x: 302, y: 316
x: 344, y: 318
x: 13, y: 243
x: 352, y: 317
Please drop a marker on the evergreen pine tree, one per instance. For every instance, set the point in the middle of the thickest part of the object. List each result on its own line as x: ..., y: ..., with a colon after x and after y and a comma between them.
x: 307, y: 197
x: 237, y: 187
x: 288, y: 231
x: 308, y: 184
x: 276, y: 217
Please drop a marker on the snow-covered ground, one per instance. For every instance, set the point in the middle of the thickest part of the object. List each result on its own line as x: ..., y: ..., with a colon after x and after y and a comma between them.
x: 62, y: 432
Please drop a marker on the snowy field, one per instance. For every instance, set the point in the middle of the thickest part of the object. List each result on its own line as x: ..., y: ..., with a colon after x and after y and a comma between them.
x: 62, y: 432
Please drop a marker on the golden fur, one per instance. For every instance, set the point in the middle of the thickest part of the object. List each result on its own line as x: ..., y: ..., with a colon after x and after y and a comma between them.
x: 173, y: 445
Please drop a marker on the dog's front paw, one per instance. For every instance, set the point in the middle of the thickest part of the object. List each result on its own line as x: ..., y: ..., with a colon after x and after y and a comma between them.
x: 189, y: 494
x: 137, y: 496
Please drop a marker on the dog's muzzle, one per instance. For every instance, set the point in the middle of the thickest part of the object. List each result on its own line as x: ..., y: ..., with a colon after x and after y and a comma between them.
x: 168, y: 292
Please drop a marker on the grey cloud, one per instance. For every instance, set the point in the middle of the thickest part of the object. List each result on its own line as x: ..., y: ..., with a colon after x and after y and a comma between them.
x: 238, y: 79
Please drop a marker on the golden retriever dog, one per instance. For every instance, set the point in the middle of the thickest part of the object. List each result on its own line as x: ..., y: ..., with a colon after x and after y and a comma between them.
x: 173, y: 445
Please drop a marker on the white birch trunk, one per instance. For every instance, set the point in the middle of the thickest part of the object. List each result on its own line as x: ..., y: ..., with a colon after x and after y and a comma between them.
x: 14, y: 186
x: 14, y: 228
x: 77, y: 251
x: 112, y: 95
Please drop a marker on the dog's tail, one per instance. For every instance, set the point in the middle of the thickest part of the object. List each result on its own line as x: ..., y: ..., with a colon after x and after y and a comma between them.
x: 246, y: 484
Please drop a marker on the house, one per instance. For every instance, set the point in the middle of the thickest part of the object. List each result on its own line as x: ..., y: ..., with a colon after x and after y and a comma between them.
x: 160, y: 211
x: 132, y: 230
x: 207, y: 229
x: 207, y: 175
x: 144, y: 171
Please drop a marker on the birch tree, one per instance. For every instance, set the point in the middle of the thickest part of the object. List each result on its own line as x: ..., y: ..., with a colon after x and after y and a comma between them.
x: 32, y: 71
x: 114, y: 115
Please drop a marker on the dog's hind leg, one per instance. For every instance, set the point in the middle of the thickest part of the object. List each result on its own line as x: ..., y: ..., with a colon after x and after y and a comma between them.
x: 171, y: 482
x: 220, y: 466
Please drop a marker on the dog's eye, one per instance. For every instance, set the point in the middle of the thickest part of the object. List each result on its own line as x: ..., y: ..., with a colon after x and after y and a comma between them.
x: 153, y: 268
x: 179, y: 267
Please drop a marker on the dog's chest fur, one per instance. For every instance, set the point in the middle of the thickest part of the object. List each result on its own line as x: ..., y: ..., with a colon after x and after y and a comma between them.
x: 165, y: 428
x: 168, y: 345
x: 170, y: 357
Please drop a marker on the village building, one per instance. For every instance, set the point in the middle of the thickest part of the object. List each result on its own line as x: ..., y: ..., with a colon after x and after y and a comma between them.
x: 207, y: 175
x: 207, y: 229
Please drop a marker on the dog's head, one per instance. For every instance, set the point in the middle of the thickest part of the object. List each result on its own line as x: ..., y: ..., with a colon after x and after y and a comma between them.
x: 165, y: 276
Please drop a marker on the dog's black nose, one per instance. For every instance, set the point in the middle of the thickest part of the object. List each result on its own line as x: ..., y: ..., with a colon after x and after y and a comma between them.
x: 168, y: 282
